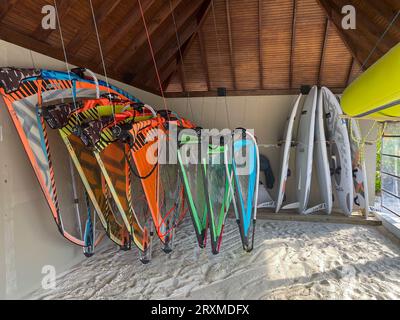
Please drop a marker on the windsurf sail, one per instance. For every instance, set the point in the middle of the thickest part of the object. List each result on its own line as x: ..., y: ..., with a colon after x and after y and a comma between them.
x: 100, y: 136
x: 25, y: 92
x: 217, y: 188
x: 160, y: 181
x: 193, y: 177
x: 242, y: 169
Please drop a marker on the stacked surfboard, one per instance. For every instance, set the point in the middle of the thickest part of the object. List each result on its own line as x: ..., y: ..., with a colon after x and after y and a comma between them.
x: 323, y: 147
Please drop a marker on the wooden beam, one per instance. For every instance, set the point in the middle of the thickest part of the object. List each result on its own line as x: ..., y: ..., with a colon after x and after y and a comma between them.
x: 84, y: 33
x: 167, y: 82
x: 182, y: 77
x: 152, y: 25
x: 6, y: 6
x: 169, y: 52
x: 231, y: 53
x: 26, y: 41
x: 203, y: 57
x: 292, y: 43
x: 353, y: 61
x: 164, y: 40
x: 321, y: 61
x: 265, y: 92
x: 132, y: 18
x: 331, y: 14
x: 201, y: 16
x: 260, y: 49
x: 204, y: 9
x: 375, y: 19
x: 63, y: 8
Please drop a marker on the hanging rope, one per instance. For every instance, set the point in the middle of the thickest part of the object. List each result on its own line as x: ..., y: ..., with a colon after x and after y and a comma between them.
x: 65, y: 56
x: 380, y: 39
x: 153, y: 58
x: 219, y: 57
x: 102, y: 59
x: 362, y: 141
x: 188, y: 105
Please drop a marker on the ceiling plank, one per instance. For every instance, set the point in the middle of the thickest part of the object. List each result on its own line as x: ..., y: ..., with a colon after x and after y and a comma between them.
x: 201, y: 16
x: 170, y: 51
x: 26, y: 41
x: 351, y: 68
x: 203, y: 57
x: 292, y: 43
x: 231, y: 53
x: 63, y: 8
x: 121, y: 30
x: 6, y: 6
x: 260, y: 47
x: 182, y: 78
x: 83, y: 34
x: 332, y: 14
x: 321, y: 61
x: 152, y: 25
x: 164, y: 39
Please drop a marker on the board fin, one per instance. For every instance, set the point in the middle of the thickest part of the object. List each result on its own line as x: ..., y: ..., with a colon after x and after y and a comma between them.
x: 319, y: 207
x: 291, y: 206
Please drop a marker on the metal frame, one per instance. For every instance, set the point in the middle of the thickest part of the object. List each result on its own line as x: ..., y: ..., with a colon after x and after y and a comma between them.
x: 394, y: 176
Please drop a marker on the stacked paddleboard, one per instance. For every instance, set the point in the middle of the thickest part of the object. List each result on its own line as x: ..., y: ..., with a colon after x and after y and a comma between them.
x: 323, y: 145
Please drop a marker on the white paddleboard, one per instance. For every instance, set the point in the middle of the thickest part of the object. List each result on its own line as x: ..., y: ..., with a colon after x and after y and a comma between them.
x: 304, y: 150
x: 339, y: 151
x: 285, y: 154
x: 321, y: 158
x: 359, y: 169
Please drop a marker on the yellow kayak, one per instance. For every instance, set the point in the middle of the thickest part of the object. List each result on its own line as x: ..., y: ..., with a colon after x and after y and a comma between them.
x: 376, y: 93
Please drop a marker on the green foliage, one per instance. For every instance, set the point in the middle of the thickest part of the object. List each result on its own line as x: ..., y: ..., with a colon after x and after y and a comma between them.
x: 378, y: 181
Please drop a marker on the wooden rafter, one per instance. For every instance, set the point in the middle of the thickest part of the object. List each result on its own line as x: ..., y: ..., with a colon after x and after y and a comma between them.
x: 83, y: 34
x: 152, y: 26
x: 23, y: 40
x: 321, y: 61
x: 121, y: 30
x: 331, y: 14
x: 201, y: 16
x: 182, y: 78
x: 231, y: 52
x: 203, y: 57
x: 349, y: 73
x: 164, y: 41
x: 6, y: 6
x: 170, y: 51
x: 260, y: 49
x: 292, y: 43
x: 173, y: 60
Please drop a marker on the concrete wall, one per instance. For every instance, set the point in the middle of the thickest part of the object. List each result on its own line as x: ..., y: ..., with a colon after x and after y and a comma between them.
x: 29, y: 238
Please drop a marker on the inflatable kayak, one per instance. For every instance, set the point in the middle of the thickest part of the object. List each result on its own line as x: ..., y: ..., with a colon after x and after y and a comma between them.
x: 376, y: 93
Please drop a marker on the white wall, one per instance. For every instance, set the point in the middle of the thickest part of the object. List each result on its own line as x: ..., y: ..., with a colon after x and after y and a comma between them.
x: 267, y: 116
x: 29, y: 238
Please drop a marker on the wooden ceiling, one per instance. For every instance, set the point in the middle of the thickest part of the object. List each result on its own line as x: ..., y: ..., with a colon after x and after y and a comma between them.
x: 248, y: 47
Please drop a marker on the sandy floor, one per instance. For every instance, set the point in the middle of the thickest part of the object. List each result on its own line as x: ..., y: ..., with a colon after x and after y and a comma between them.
x: 291, y: 260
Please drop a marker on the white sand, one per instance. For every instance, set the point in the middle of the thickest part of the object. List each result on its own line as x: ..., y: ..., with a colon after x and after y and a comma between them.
x: 291, y: 260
